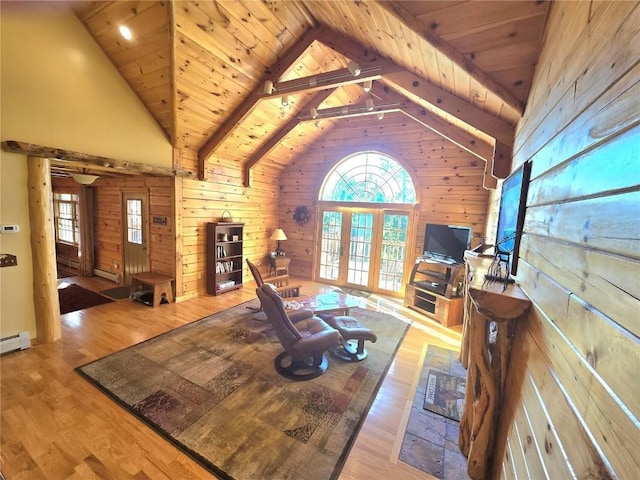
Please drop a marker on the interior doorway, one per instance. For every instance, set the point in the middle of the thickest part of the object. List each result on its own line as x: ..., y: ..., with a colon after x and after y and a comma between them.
x: 135, y: 208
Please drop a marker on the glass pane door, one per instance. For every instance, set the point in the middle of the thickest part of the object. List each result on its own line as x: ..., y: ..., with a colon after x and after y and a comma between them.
x: 360, y: 248
x: 330, y: 245
x: 393, y: 251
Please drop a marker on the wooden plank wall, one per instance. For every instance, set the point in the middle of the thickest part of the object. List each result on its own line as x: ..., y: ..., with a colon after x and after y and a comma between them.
x: 575, y: 394
x: 109, y: 226
x: 448, y: 179
x: 206, y: 201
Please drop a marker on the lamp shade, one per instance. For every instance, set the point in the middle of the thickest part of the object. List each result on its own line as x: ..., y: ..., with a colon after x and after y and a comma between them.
x: 278, y: 234
x: 83, y: 178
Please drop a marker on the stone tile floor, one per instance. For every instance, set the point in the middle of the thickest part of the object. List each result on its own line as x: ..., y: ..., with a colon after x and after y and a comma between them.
x: 431, y: 440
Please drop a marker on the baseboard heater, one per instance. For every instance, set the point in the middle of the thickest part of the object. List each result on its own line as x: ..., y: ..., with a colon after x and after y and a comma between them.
x: 114, y: 277
x: 19, y: 341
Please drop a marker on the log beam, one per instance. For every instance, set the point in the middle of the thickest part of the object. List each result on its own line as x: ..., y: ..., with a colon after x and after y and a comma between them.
x: 45, y: 284
x: 502, y: 158
x: 60, y: 156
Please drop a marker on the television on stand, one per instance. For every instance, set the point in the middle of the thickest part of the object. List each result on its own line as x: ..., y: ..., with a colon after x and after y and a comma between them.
x: 446, y: 243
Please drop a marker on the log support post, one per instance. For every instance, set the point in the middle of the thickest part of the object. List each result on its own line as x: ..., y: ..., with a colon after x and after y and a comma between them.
x: 45, y: 282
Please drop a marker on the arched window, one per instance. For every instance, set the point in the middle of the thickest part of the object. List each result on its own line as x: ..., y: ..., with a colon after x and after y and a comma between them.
x: 365, y: 245
x: 369, y: 177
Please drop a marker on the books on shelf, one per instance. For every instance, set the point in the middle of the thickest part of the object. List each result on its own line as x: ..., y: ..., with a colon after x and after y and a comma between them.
x: 224, y: 267
x: 221, y: 252
x: 225, y: 284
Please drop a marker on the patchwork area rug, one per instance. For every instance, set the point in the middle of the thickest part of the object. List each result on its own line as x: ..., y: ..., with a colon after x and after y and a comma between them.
x: 117, y: 293
x: 74, y: 297
x: 430, y: 442
x: 210, y: 388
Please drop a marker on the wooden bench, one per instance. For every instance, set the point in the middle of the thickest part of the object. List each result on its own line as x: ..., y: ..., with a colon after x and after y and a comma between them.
x: 161, y: 285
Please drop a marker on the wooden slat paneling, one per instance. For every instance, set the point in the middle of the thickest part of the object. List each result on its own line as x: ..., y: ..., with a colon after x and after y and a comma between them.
x: 579, y: 259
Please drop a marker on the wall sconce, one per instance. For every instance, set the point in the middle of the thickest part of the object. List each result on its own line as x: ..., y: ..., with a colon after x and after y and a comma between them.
x: 354, y: 68
x: 366, y: 86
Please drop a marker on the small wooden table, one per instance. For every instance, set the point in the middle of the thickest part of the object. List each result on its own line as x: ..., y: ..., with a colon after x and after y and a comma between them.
x: 161, y: 285
x: 279, y: 265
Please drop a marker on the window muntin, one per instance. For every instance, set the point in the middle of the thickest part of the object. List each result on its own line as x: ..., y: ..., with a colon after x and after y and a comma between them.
x: 370, y: 177
x: 134, y: 220
x: 65, y: 206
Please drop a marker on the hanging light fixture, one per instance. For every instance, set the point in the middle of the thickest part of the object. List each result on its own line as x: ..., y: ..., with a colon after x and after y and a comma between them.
x: 314, y: 113
x: 84, y: 178
x: 285, y: 100
x: 366, y: 86
x: 268, y: 87
x: 380, y: 115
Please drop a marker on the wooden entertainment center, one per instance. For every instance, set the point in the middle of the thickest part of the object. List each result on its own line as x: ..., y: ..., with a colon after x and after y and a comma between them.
x: 435, y: 289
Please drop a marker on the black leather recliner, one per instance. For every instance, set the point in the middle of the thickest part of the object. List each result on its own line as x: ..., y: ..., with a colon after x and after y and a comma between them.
x: 305, y: 343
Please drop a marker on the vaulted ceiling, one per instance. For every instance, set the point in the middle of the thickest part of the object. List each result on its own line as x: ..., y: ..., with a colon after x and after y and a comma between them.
x: 204, y: 70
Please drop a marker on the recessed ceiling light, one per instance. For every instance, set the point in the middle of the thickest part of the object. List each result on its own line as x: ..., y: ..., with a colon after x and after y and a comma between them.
x: 125, y: 32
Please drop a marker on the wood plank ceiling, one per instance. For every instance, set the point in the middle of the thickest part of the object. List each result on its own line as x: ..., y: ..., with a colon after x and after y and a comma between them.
x: 461, y: 68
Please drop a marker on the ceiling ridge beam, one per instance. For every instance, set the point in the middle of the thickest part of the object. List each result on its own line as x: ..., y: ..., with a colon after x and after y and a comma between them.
x: 399, y: 12
x: 248, y: 104
x: 275, y: 139
x: 436, y: 96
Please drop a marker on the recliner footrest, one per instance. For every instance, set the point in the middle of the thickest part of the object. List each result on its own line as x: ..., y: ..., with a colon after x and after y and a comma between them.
x: 350, y: 329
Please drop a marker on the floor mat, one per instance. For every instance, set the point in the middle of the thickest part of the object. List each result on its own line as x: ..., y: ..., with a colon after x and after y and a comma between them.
x: 117, y: 293
x: 74, y: 297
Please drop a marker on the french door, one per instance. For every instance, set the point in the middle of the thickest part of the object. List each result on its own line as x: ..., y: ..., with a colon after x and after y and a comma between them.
x: 363, y: 248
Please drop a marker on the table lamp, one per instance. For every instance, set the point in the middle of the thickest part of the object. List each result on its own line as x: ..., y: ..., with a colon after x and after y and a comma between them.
x: 278, y: 235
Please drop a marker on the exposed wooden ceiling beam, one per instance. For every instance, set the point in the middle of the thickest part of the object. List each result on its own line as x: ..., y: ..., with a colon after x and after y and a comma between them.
x: 58, y: 155
x: 465, y: 140
x: 398, y: 11
x: 441, y: 99
x: 447, y: 102
x: 336, y: 78
x: 280, y: 135
x: 249, y: 103
x: 350, y: 111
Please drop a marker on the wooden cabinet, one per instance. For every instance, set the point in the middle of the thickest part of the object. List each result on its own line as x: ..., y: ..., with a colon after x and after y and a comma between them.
x: 435, y: 290
x: 224, y: 257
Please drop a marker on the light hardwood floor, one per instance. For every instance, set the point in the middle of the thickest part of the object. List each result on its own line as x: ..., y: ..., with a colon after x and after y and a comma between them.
x: 55, y: 425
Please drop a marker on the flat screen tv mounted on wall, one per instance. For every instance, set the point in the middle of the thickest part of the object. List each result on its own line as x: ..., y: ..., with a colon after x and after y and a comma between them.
x: 513, y: 202
x: 446, y: 243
